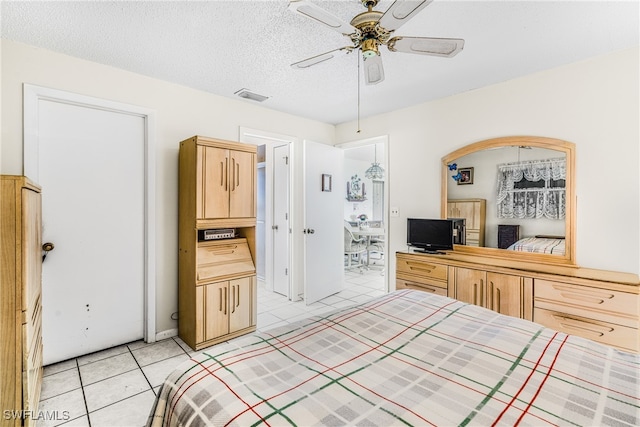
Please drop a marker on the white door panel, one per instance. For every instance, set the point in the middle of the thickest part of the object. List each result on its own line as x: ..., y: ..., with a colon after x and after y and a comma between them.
x: 324, y: 237
x: 281, y: 240
x: 91, y: 168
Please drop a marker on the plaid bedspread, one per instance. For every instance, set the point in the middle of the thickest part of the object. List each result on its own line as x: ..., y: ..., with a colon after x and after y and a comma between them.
x: 407, y: 358
x: 539, y: 245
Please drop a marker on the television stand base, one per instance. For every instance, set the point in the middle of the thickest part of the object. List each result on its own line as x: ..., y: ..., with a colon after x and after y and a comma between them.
x: 426, y: 251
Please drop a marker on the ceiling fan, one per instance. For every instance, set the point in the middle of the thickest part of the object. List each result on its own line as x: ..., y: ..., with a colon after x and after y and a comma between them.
x: 371, y: 29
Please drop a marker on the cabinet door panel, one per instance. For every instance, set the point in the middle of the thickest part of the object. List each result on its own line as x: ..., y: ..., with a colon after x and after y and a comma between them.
x: 241, y: 184
x: 470, y: 286
x: 503, y: 294
x: 240, y: 303
x: 216, y: 310
x: 213, y: 189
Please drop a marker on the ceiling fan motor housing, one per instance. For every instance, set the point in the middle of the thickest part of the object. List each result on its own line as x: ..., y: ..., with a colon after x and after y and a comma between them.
x: 369, y: 35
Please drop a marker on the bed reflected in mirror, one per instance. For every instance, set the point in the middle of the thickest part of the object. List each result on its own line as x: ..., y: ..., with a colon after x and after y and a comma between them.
x: 519, y: 201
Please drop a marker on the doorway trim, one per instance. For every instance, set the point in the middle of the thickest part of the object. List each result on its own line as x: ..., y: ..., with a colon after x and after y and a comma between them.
x: 384, y: 140
x: 271, y: 140
x: 32, y: 95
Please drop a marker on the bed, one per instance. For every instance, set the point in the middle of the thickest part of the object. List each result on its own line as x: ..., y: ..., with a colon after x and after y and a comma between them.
x: 540, y: 245
x: 406, y: 358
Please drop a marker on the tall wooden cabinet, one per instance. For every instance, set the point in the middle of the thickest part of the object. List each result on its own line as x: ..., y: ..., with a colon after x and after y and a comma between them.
x: 474, y: 212
x: 20, y: 299
x: 217, y: 277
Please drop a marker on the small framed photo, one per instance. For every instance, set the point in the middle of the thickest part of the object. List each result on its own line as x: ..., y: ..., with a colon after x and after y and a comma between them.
x: 326, y: 182
x: 466, y: 176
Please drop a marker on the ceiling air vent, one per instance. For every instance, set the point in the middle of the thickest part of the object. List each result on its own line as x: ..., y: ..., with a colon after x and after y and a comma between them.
x: 247, y: 94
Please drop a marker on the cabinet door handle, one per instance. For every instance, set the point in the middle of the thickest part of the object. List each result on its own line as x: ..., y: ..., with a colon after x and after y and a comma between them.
x: 226, y: 175
x: 237, y: 174
x: 221, y: 173
x: 226, y: 301
x: 238, y: 299
x: 233, y: 299
x: 233, y: 174
x: 220, y: 299
x: 475, y: 293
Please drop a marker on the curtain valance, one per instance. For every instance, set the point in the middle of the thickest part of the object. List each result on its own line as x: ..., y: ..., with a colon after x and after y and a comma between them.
x: 547, y: 199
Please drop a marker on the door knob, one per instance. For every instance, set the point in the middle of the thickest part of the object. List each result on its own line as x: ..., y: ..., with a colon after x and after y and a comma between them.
x: 274, y: 227
x: 46, y: 247
x: 308, y: 231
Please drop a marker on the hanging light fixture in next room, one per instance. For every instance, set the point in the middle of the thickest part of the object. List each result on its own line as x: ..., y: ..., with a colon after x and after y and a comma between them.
x: 375, y: 171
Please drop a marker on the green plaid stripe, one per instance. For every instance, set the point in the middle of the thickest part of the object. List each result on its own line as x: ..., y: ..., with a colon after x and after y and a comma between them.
x: 407, y: 358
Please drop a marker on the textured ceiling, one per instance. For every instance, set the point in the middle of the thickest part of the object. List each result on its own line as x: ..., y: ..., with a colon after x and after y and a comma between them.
x: 223, y: 46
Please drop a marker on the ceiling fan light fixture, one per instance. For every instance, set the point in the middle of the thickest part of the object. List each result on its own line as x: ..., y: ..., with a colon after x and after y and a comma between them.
x: 369, y: 48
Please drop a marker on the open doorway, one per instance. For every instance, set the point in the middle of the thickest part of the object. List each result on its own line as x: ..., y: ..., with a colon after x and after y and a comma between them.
x: 366, y: 213
x: 273, y: 241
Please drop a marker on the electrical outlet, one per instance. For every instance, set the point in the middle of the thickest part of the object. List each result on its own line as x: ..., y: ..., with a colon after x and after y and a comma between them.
x: 395, y: 212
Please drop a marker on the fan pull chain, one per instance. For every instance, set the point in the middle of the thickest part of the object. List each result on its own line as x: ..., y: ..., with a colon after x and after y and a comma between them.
x: 358, y: 58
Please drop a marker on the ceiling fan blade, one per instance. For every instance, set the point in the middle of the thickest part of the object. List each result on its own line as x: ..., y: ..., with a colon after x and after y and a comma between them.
x: 306, y: 63
x: 310, y: 10
x: 400, y: 12
x: 373, y: 70
x: 426, y: 46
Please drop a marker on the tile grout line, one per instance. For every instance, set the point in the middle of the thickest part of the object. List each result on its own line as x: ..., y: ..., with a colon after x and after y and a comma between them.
x: 84, y: 396
x: 141, y: 371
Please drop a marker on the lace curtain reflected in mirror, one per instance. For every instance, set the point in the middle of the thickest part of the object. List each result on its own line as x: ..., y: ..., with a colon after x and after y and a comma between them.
x: 532, y: 189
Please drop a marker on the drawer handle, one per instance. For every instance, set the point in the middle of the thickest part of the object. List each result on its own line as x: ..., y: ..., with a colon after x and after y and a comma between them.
x: 422, y: 267
x: 581, y: 325
x: 582, y: 297
x: 590, y: 293
x: 226, y: 251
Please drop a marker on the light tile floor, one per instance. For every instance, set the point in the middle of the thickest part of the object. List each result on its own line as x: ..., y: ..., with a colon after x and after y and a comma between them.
x: 117, y: 386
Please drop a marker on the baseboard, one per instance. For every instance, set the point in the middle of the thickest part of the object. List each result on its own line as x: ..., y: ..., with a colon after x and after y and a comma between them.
x: 166, y: 334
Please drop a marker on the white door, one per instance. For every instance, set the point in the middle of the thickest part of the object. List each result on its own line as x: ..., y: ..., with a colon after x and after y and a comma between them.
x: 272, y: 191
x: 323, y: 223
x: 280, y: 227
x: 91, y: 169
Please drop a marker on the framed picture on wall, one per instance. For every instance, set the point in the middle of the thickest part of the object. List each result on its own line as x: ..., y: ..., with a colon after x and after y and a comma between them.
x: 466, y: 176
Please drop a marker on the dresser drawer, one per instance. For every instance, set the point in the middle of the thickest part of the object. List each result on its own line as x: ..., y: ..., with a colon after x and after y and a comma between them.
x: 584, y: 297
x: 223, y: 258
x: 431, y: 288
x: 619, y: 336
x: 423, y: 269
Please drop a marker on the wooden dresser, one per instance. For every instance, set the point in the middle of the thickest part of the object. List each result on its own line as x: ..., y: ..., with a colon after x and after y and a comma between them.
x: 217, y: 277
x: 473, y: 211
x: 603, y: 306
x: 20, y: 300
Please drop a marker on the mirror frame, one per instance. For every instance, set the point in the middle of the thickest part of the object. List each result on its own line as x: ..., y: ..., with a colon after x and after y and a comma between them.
x: 570, y: 219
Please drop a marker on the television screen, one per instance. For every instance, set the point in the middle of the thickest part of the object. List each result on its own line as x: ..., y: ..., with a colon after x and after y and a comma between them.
x: 430, y: 235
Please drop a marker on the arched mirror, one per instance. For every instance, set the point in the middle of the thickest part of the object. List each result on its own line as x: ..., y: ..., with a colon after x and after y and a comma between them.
x: 512, y: 197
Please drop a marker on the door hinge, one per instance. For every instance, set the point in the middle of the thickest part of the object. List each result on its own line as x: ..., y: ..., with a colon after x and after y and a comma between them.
x: 286, y: 271
x: 286, y: 160
x: 286, y: 216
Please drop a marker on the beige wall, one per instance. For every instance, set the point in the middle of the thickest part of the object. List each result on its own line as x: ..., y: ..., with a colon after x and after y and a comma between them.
x: 181, y: 112
x: 594, y: 104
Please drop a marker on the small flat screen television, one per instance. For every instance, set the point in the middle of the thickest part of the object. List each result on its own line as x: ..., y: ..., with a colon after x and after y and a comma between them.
x: 430, y: 235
